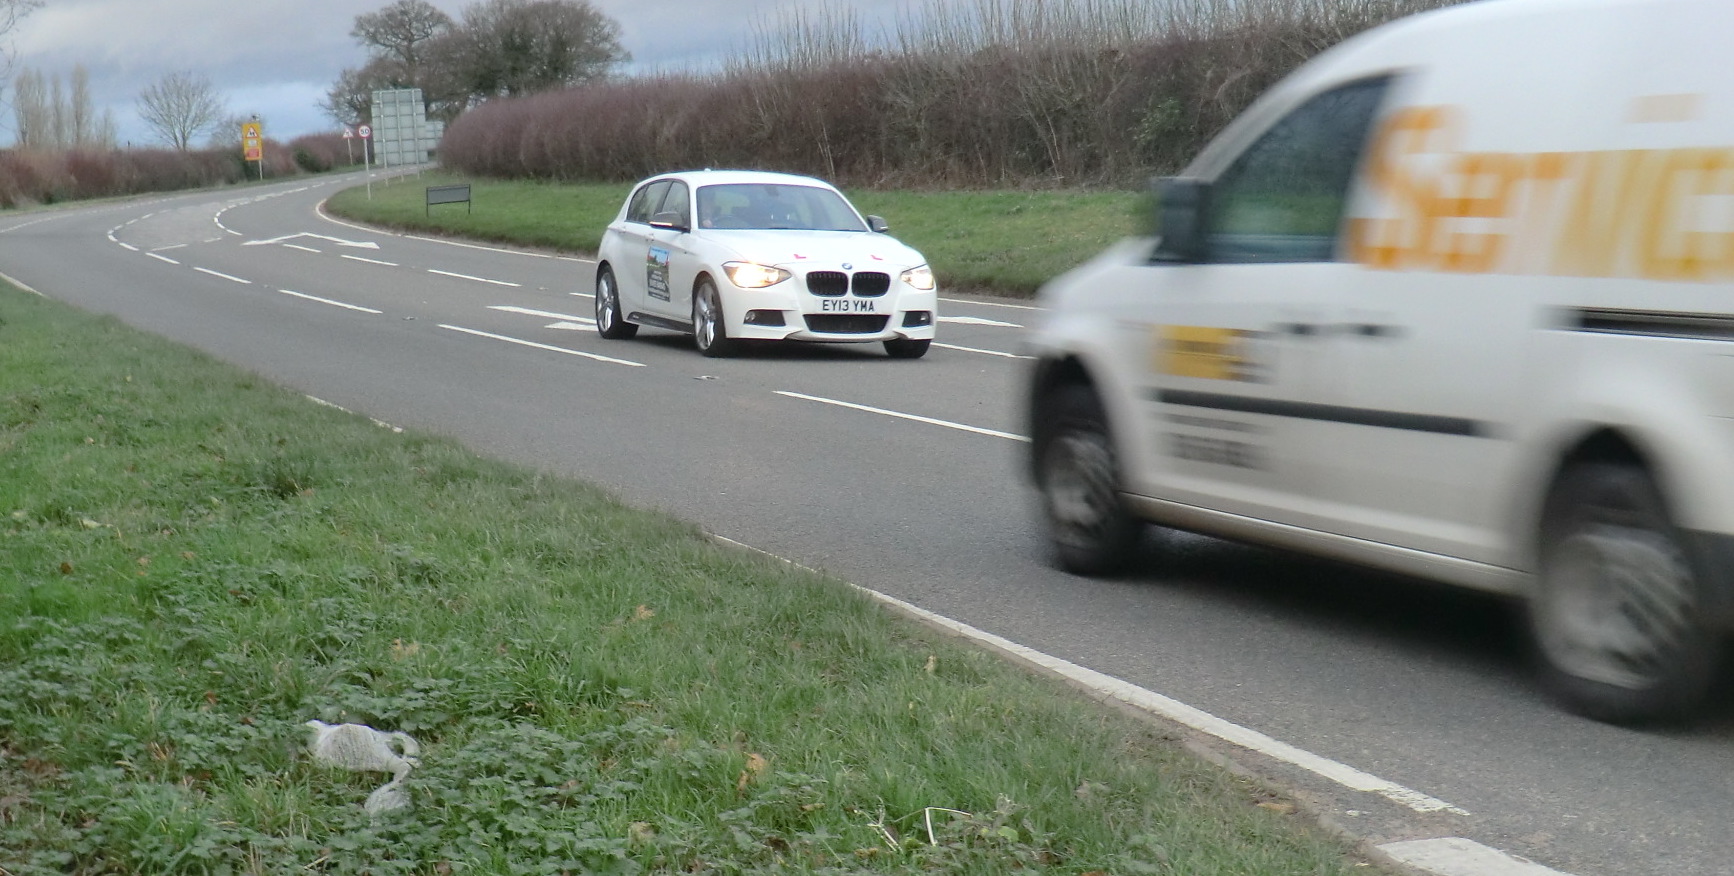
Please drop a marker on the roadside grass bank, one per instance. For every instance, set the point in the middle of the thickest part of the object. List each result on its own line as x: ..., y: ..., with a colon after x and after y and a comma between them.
x: 197, y: 562
x: 1003, y: 242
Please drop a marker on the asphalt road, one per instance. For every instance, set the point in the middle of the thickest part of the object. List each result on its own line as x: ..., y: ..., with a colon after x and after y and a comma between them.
x: 904, y: 477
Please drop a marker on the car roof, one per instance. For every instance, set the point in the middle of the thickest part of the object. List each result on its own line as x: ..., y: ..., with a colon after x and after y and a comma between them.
x: 696, y: 178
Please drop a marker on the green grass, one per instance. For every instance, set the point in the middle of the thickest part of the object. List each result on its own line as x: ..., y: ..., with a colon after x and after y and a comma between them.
x: 196, y: 562
x: 1000, y: 242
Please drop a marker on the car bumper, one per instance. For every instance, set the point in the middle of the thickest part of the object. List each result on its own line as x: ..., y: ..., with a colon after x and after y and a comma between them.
x: 797, y: 315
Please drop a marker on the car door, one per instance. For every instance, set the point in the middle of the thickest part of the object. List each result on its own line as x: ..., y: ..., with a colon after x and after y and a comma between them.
x: 1238, y: 342
x: 669, y: 267
x: 633, y: 237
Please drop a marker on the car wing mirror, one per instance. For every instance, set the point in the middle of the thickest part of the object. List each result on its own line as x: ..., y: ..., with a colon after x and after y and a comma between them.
x: 669, y: 219
x: 878, y: 225
x: 1182, y: 204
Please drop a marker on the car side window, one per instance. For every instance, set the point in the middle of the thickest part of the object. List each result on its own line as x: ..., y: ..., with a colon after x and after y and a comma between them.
x: 678, y: 202
x: 1283, y: 199
x: 644, y: 202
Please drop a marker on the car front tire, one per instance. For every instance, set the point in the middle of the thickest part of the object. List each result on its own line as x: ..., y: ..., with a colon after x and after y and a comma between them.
x: 1617, y: 614
x: 907, y: 348
x: 1089, y: 528
x: 609, y: 322
x: 709, y: 329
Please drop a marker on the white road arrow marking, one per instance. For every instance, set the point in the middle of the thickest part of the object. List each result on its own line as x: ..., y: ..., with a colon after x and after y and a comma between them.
x: 337, y: 240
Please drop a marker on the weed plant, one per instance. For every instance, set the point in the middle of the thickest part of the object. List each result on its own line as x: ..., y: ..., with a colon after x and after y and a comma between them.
x: 997, y: 242
x: 197, y: 562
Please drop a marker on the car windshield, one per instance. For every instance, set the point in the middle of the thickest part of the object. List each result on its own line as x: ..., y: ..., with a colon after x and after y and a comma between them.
x: 776, y: 206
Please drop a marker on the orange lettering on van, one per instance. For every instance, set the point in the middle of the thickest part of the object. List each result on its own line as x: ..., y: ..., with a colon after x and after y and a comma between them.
x: 1482, y: 184
x: 1407, y: 238
x: 1607, y: 212
x: 1667, y: 250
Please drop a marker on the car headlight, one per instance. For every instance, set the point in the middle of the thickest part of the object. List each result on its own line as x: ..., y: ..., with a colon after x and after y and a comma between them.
x: 751, y: 275
x: 920, y: 278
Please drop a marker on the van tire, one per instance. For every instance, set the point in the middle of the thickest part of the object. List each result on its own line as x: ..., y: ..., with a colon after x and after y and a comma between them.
x: 1616, y: 616
x: 1089, y: 528
x: 610, y: 324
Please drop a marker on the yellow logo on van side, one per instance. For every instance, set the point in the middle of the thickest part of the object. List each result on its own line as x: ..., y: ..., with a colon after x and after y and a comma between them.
x: 1659, y: 214
x: 1206, y: 351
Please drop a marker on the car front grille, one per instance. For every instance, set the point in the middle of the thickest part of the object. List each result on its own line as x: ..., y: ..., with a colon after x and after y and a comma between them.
x: 846, y: 323
x: 827, y: 282
x: 867, y: 284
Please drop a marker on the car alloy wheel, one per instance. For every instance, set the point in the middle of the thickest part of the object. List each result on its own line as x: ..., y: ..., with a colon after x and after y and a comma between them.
x: 609, y: 323
x: 709, y: 332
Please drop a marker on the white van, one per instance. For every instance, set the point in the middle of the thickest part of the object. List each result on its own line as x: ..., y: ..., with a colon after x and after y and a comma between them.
x: 1455, y: 299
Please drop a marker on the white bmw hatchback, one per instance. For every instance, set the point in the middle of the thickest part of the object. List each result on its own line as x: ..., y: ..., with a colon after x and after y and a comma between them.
x: 729, y: 256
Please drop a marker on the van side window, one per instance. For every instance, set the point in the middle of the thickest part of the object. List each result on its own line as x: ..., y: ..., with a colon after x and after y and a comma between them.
x: 678, y: 202
x: 1283, y: 199
x: 644, y: 202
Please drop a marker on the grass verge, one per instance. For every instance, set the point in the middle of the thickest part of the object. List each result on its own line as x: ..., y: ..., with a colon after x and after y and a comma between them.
x: 1001, y: 242
x: 197, y: 562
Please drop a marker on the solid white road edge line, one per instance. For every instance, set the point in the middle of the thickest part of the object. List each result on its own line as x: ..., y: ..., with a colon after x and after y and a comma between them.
x: 380, y: 423
x: 14, y: 282
x: 977, y: 320
x: 1155, y: 703
x: 224, y: 276
x: 1455, y: 856
x: 329, y: 301
x: 902, y: 416
x: 477, y: 279
x: 549, y: 347
x: 983, y: 352
x: 989, y: 304
x: 320, y: 209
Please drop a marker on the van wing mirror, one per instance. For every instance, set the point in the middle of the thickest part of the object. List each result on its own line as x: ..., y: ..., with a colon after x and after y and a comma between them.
x: 1182, y: 203
x: 668, y: 219
x: 878, y: 225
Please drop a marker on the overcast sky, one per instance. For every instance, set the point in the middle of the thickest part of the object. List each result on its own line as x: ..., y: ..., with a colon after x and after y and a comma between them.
x: 277, y: 58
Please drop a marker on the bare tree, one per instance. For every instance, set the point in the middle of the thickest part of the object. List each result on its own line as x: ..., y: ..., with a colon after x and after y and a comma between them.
x: 517, y: 47
x: 80, y: 117
x: 350, y: 100
x: 31, y: 114
x: 180, y: 106
x: 400, y: 30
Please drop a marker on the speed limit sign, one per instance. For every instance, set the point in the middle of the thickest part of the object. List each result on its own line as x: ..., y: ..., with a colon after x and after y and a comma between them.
x: 365, y: 131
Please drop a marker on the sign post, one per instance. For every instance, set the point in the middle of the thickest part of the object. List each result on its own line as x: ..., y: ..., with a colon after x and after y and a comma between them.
x: 253, y: 143
x: 366, y: 133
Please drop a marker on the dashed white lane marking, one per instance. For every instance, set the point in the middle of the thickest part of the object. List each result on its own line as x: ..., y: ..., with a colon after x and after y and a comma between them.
x: 976, y: 320
x: 224, y: 276
x: 548, y: 347
x: 572, y: 326
x: 902, y: 416
x: 127, y: 246
x: 547, y: 313
x: 1167, y: 707
x: 302, y: 248
x: 984, y: 352
x: 169, y: 247
x: 1455, y: 856
x: 989, y: 304
x: 477, y: 279
x: 355, y: 258
x: 162, y: 258
x: 329, y: 301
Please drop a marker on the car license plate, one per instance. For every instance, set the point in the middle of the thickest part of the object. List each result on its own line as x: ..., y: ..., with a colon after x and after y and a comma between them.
x: 848, y: 305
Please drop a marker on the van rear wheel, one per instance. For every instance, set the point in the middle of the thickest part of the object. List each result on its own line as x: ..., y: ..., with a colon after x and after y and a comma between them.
x: 1090, y: 530
x: 1617, y: 614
